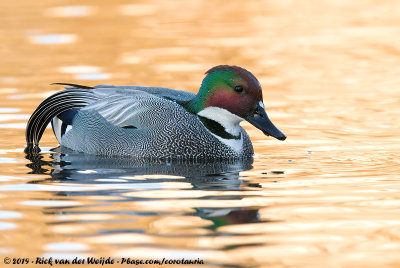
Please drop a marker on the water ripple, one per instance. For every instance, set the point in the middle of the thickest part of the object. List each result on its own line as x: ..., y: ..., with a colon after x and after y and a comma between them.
x: 53, y: 39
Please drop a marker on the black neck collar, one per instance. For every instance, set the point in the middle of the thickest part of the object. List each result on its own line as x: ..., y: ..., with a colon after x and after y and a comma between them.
x: 217, y: 129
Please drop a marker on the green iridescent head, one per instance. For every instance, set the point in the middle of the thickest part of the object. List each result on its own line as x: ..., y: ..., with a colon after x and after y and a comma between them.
x: 237, y: 91
x: 229, y: 87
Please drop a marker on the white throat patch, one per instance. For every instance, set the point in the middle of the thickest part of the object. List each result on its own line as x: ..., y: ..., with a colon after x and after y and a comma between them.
x: 229, y: 121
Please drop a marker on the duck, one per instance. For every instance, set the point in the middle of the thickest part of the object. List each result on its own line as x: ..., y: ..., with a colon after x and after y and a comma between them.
x: 157, y: 122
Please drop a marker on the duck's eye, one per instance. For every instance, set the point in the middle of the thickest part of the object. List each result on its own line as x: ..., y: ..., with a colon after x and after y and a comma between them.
x: 239, y: 88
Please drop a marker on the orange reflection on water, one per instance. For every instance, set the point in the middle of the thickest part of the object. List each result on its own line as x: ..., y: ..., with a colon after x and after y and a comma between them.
x: 327, y: 196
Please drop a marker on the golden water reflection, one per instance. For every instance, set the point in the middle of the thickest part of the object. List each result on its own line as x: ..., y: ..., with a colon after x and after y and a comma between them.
x: 327, y: 196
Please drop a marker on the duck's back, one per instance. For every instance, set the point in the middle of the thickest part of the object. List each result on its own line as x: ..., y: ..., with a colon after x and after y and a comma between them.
x: 161, y: 92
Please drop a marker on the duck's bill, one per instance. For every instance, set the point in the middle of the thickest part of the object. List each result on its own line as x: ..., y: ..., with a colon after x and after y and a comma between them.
x: 261, y: 121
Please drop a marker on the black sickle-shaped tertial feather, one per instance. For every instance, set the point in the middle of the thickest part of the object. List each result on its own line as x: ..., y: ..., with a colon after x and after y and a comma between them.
x: 72, y: 85
x: 54, y: 105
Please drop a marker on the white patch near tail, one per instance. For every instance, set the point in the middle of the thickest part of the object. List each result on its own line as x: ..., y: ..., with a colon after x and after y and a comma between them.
x: 57, y: 123
x: 57, y: 127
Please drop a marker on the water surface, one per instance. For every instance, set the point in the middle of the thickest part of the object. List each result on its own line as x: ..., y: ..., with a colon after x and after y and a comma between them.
x: 328, y: 196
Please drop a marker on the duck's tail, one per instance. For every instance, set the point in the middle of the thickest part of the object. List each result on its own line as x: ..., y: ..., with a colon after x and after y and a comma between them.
x: 61, y: 108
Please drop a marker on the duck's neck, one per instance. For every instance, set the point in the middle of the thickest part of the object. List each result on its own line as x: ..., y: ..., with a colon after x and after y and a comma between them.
x: 228, y: 122
x: 208, y: 86
x: 197, y: 104
x: 217, y: 120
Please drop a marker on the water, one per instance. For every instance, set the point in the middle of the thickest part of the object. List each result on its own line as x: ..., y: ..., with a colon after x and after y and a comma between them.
x: 328, y: 196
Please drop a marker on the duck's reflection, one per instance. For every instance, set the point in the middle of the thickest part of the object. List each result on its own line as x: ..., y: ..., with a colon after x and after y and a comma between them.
x: 83, y: 168
x: 72, y: 167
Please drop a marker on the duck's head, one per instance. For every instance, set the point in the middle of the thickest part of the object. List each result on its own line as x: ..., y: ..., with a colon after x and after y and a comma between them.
x: 230, y: 94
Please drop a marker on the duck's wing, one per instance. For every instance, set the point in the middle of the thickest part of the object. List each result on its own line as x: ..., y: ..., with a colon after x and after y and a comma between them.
x: 178, y: 96
x: 124, y: 106
x: 137, y: 106
x: 136, y: 109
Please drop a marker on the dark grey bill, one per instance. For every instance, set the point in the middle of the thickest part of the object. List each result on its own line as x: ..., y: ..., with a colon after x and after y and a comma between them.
x: 260, y: 120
